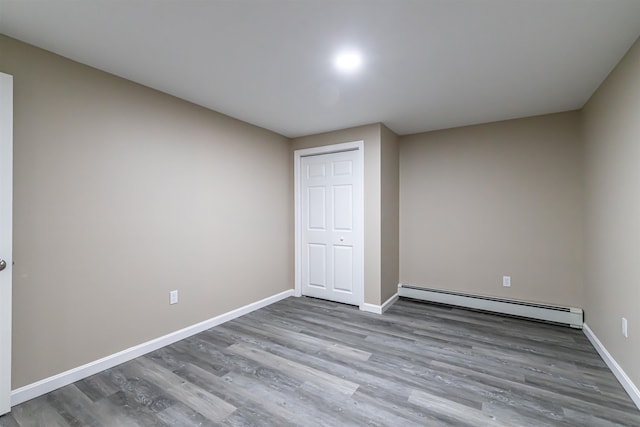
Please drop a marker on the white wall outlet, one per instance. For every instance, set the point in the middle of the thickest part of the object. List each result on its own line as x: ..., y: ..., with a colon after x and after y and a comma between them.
x: 625, y: 331
x: 506, y: 281
x: 173, y: 297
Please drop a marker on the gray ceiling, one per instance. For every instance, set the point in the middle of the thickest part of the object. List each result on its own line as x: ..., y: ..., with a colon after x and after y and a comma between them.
x: 427, y: 64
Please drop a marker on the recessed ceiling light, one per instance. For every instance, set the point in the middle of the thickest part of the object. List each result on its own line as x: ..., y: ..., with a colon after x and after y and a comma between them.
x: 348, y: 62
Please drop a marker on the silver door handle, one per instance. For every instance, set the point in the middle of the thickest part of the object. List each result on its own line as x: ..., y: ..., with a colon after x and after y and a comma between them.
x: 3, y: 264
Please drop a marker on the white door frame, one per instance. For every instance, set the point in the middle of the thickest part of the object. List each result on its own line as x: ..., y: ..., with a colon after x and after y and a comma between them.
x: 6, y: 228
x: 297, y: 159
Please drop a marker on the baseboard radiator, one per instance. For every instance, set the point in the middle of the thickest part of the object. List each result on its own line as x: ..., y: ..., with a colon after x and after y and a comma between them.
x: 550, y: 313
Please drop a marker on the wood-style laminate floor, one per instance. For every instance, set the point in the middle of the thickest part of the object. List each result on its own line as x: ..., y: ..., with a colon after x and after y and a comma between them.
x: 308, y: 362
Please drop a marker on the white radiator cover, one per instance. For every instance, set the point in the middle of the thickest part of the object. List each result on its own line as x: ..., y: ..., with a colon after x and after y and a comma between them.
x: 551, y: 313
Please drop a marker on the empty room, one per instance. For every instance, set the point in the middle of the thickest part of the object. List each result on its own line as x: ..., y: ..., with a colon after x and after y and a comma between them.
x: 319, y: 213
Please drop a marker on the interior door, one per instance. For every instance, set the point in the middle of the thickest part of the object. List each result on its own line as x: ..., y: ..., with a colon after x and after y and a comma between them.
x: 331, y: 226
x: 6, y: 188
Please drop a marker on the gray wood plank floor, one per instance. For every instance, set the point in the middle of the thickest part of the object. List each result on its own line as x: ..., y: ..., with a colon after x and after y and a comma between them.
x: 308, y: 362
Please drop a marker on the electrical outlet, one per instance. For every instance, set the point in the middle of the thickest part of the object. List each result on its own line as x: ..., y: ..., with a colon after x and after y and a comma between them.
x: 506, y: 281
x: 625, y: 331
x: 173, y: 297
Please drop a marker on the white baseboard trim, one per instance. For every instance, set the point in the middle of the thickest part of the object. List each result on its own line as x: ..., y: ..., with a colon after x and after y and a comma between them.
x: 617, y: 370
x: 62, y: 379
x: 379, y: 309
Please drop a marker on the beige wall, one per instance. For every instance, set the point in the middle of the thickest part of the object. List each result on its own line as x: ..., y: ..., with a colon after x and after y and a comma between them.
x: 122, y: 194
x: 611, y: 129
x: 505, y: 198
x: 390, y: 211
x: 370, y: 134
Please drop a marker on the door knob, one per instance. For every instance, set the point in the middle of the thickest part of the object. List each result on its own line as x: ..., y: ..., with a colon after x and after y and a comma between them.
x: 3, y: 264
x: 342, y: 239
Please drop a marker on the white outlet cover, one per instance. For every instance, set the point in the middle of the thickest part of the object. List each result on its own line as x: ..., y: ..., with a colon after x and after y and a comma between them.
x: 506, y: 281
x: 173, y: 297
x: 625, y: 330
